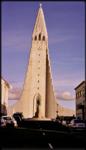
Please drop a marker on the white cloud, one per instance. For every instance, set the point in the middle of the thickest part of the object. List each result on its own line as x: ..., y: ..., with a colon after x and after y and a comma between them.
x: 67, y: 82
x: 16, y: 84
x: 14, y: 93
x: 15, y: 40
x: 61, y: 39
x: 65, y: 95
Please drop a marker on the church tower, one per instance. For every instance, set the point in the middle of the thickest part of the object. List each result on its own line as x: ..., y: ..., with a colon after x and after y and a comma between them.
x: 37, y: 98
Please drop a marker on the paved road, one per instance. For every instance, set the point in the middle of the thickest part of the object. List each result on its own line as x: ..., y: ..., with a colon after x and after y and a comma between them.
x: 47, y: 139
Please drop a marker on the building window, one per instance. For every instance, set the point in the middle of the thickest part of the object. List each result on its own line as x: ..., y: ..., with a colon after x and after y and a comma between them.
x: 80, y: 93
x: 43, y: 38
x: 83, y: 94
x: 38, y: 81
x: 38, y: 88
x: 35, y: 38
x: 39, y: 36
x: 76, y: 95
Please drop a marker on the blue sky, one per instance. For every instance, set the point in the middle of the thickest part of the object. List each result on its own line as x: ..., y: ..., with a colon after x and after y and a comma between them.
x: 65, y: 23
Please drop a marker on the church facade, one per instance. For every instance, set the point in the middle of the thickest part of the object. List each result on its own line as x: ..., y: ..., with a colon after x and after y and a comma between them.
x: 38, y: 99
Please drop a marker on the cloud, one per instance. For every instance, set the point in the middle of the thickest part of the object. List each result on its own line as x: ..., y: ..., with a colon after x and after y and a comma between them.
x: 65, y: 95
x: 16, y: 84
x: 17, y: 40
x: 14, y: 93
x: 67, y: 82
x: 62, y: 39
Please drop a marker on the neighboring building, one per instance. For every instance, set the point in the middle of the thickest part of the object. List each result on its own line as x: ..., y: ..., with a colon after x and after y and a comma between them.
x: 5, y: 86
x: 81, y: 100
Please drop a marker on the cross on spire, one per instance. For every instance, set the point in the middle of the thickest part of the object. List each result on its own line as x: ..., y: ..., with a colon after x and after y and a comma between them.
x: 40, y: 4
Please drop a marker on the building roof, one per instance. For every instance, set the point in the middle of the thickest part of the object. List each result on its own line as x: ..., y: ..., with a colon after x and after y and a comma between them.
x: 79, y: 85
x: 40, y: 25
x: 6, y: 82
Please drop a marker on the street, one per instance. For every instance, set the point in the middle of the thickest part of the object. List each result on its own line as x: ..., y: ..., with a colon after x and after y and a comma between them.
x: 39, y: 138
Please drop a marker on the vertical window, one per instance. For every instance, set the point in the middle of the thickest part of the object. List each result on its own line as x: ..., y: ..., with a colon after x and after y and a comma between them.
x: 43, y: 38
x: 39, y: 36
x: 35, y: 38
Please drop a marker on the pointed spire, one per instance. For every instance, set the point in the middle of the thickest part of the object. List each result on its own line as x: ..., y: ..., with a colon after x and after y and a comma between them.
x: 40, y: 25
x: 40, y: 4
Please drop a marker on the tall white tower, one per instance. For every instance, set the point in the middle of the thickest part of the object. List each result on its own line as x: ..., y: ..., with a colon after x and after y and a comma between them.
x: 37, y: 99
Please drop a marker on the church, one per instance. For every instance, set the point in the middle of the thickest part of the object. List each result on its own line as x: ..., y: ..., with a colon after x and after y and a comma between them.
x: 38, y: 99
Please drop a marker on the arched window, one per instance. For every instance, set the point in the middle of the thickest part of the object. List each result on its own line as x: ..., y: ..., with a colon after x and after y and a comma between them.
x: 35, y: 38
x: 43, y: 38
x: 38, y: 102
x: 39, y: 36
x: 38, y: 99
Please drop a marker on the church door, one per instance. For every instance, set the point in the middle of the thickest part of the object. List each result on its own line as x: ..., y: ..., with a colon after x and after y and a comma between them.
x: 36, y: 106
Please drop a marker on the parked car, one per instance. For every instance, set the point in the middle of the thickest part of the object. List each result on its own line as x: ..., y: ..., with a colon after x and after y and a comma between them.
x: 64, y: 122
x: 3, y: 122
x: 76, y: 123
x: 15, y: 122
x: 9, y: 121
x: 18, y: 116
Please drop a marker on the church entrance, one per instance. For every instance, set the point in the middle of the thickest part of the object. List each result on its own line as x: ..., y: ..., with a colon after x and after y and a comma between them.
x: 36, y: 106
